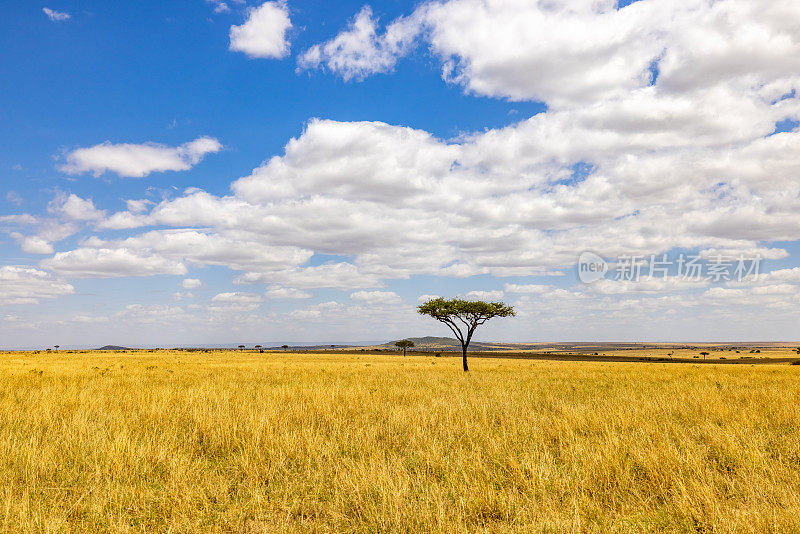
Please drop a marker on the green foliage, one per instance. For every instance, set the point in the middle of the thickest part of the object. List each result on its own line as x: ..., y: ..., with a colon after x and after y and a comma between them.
x: 462, y: 317
x: 465, y: 310
x: 404, y: 344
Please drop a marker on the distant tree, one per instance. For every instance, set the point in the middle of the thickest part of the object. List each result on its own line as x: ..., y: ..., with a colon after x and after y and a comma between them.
x: 404, y: 344
x: 241, y: 347
x: 704, y: 354
x: 333, y: 346
x: 57, y: 346
x: 284, y: 347
x: 462, y: 317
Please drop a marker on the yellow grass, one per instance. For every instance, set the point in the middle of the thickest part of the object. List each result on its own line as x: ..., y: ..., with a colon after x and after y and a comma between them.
x: 329, y: 442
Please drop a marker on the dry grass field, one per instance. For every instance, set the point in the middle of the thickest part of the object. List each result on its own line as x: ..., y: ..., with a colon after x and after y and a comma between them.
x: 248, y: 442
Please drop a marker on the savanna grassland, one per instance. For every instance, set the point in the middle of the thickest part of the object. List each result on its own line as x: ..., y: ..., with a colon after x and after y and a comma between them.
x: 249, y: 442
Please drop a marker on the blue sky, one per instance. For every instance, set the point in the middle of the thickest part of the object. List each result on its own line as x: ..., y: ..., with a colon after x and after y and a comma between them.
x: 320, y: 167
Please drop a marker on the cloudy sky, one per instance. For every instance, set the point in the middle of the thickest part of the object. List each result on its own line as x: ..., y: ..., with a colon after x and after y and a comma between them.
x: 200, y: 171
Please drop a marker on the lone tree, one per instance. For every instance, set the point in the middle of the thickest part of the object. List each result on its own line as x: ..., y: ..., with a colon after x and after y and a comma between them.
x: 57, y: 346
x: 704, y: 354
x: 462, y: 317
x: 404, y: 344
x: 241, y: 347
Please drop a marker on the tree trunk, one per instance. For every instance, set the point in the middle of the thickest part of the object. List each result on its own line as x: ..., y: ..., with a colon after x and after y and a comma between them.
x: 464, y: 357
x: 404, y: 351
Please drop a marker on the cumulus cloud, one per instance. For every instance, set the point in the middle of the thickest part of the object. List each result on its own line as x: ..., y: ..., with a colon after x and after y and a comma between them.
x: 75, y: 208
x: 236, y: 298
x: 360, y: 51
x: 167, y: 251
x: 235, y: 302
x: 110, y: 263
x: 28, y: 285
x: 332, y: 275
x: 263, y: 34
x: 138, y: 206
x: 507, y: 201
x: 484, y: 295
x: 56, y: 16
x: 526, y: 288
x: 305, y: 314
x: 376, y: 297
x: 191, y: 283
x: 137, y: 161
x: 48, y: 231
x: 33, y: 244
x: 280, y: 292
x: 220, y: 6
x: 647, y: 285
x: 577, y: 50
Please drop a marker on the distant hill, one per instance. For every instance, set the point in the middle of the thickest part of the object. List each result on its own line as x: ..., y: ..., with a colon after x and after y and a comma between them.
x: 113, y: 347
x: 445, y: 343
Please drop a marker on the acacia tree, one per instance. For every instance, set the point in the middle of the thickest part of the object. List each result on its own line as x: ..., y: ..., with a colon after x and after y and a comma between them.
x: 462, y: 317
x: 404, y: 344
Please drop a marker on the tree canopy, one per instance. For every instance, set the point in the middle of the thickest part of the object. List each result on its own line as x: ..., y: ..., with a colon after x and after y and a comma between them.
x: 464, y: 316
x: 404, y: 344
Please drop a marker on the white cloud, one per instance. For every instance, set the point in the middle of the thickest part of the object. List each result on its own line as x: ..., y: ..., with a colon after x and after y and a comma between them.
x: 526, y: 288
x: 138, y: 206
x: 263, y: 35
x: 334, y: 275
x: 28, y: 285
x: 191, y: 283
x: 579, y: 51
x: 75, y: 208
x: 48, y: 231
x: 235, y: 302
x: 359, y: 51
x: 56, y: 16
x: 780, y: 276
x: 280, y: 292
x: 376, y: 297
x: 137, y: 161
x: 110, y: 263
x: 237, y: 298
x: 219, y: 6
x: 484, y: 295
x: 157, y: 314
x: 305, y: 314
x: 647, y: 285
x: 237, y: 250
x: 426, y: 298
x: 33, y: 244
